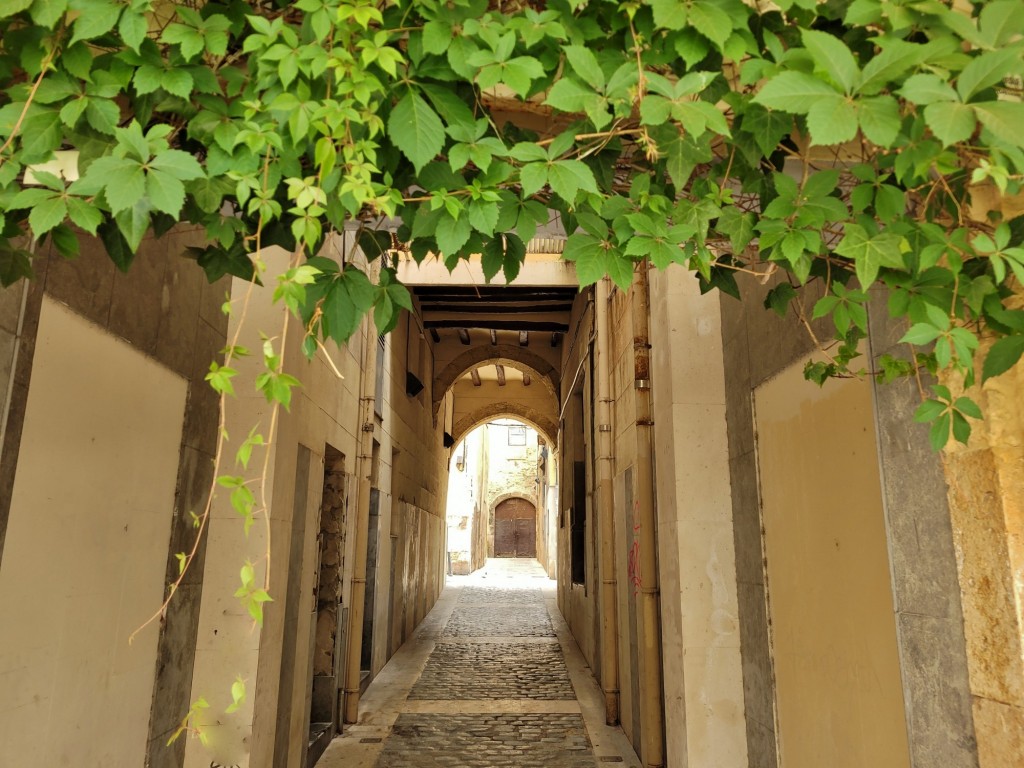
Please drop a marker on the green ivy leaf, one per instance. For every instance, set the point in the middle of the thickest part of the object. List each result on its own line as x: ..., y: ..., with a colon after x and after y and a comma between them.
x: 97, y: 17
x: 584, y: 63
x: 452, y: 234
x: 133, y: 223
x: 987, y: 70
x: 832, y: 120
x: 880, y: 119
x: 416, y: 130
x: 84, y: 214
x: 180, y: 165
x: 41, y: 133
x: 711, y: 21
x: 1003, y: 118
x: 11, y: 7
x: 895, y: 58
x: 102, y: 115
x: 794, y: 92
x: 45, y: 13
x: 133, y: 28
x: 778, y: 298
x: 15, y: 263
x: 590, y: 256
x: 437, y: 36
x: 124, y: 191
x: 568, y: 177
x: 503, y: 253
x: 165, y: 192
x: 950, y: 121
x: 870, y: 253
x: 47, y: 214
x: 831, y: 55
x: 1003, y: 355
x: 927, y: 89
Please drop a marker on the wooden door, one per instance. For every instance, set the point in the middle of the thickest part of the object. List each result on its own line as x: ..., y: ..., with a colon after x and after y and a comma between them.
x: 504, y: 538
x: 515, y: 529
x: 526, y: 537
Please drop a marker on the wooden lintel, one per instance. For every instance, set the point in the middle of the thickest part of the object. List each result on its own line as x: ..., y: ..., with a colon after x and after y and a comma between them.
x: 496, y: 309
x: 501, y: 374
x: 499, y: 325
x: 475, y: 374
x: 463, y: 334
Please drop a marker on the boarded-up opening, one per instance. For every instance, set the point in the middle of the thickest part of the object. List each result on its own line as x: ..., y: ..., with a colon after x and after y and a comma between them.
x: 86, y: 548
x: 838, y: 689
x: 328, y: 620
x: 515, y: 528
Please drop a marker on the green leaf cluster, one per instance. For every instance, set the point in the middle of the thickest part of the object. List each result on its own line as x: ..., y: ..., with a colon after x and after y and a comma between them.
x: 837, y: 143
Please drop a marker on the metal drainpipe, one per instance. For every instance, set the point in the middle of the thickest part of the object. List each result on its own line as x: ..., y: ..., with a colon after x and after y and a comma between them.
x: 651, y: 710
x: 364, y: 468
x: 606, y: 512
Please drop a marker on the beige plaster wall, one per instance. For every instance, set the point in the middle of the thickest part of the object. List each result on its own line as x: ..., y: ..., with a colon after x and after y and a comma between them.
x: 86, y: 548
x: 412, y: 480
x: 466, y: 516
x: 229, y: 645
x: 575, y: 601
x: 838, y: 688
x: 704, y: 708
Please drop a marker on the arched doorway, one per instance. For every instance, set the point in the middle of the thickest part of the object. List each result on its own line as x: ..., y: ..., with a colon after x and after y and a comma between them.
x: 515, y: 528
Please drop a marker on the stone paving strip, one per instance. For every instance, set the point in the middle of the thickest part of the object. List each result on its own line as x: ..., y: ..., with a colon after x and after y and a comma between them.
x: 491, y: 679
x: 487, y: 741
x: 500, y: 596
x: 493, y: 620
x: 495, y: 671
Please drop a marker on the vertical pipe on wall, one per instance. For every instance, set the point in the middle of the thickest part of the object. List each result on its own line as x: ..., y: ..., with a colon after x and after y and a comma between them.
x: 651, y: 710
x: 364, y: 470
x: 606, y: 513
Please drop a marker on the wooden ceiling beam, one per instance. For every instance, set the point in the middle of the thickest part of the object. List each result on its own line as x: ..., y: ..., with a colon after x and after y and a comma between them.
x: 499, y: 325
x: 435, y: 335
x: 526, y: 380
x: 475, y: 375
x: 463, y: 333
x: 524, y: 338
x: 500, y: 369
x: 495, y: 309
x: 556, y: 339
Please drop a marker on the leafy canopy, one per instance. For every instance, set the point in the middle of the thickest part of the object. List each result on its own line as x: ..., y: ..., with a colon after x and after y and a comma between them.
x: 838, y: 142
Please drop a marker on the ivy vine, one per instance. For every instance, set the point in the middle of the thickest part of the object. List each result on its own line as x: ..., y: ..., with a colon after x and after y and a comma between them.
x: 841, y: 142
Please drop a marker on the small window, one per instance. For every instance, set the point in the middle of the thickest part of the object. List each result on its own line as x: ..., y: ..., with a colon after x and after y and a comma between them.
x: 578, y: 524
x: 517, y: 435
x: 378, y: 394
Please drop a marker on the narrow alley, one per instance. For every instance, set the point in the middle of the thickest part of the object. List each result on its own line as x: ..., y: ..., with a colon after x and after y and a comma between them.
x: 492, y: 677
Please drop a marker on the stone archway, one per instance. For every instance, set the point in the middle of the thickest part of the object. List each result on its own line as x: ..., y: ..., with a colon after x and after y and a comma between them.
x: 544, y: 425
x: 520, y: 358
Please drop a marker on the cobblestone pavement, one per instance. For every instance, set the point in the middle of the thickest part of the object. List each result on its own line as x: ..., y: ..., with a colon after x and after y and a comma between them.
x: 489, y: 680
x: 495, y: 671
x: 501, y: 596
x: 500, y: 621
x: 487, y: 741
